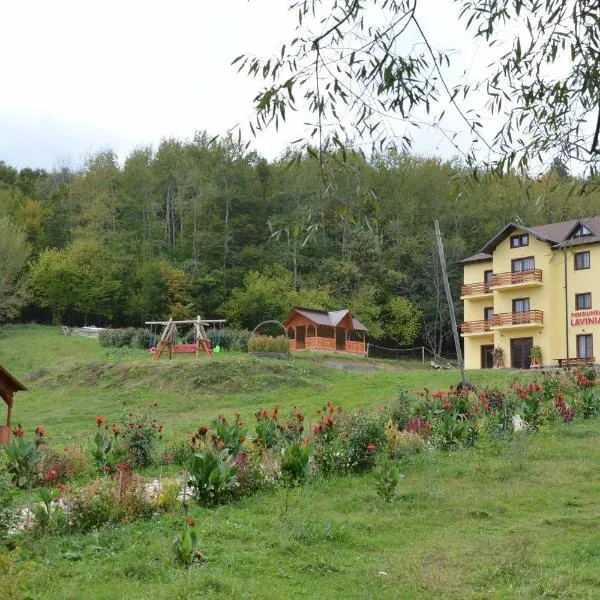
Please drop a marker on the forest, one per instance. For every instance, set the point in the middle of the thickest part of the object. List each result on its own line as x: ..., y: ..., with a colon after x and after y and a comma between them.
x: 207, y: 226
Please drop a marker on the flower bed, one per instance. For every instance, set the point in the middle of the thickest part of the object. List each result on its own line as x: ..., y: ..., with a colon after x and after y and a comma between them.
x: 81, y: 489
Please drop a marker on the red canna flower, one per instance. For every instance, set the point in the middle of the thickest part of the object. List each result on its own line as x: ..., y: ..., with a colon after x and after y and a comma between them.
x: 371, y: 447
x: 116, y: 430
x: 19, y: 432
x: 203, y: 430
x: 40, y: 431
x: 447, y: 405
x: 189, y: 522
x: 99, y: 421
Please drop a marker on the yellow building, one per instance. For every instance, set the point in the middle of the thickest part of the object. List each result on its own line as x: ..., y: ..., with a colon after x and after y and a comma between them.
x: 533, y: 286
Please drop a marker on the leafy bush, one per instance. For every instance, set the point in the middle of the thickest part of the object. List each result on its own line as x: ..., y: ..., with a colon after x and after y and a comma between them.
x: 402, y: 410
x: 23, y: 458
x: 229, y: 436
x: 402, y: 443
x: 8, y: 513
x: 364, y: 432
x: 139, y: 438
x: 185, y: 546
x: 232, y: 340
x: 266, y: 343
x: 387, y: 478
x: 125, y: 338
x: 213, y: 477
x: 117, y: 500
x: 106, y: 450
x: 49, y: 517
x: 294, y: 463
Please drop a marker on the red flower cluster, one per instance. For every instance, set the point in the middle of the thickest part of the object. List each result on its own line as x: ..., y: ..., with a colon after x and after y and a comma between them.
x: 116, y: 430
x: 582, y: 380
x: 418, y: 425
x: 19, y: 432
x: 371, y: 447
x: 50, y: 475
x: 189, y: 522
x: 566, y: 412
x: 439, y: 394
x: 40, y: 431
x: 447, y: 405
x: 99, y: 421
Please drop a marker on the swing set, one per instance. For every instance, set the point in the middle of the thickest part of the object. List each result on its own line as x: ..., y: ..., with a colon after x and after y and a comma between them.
x: 168, y: 339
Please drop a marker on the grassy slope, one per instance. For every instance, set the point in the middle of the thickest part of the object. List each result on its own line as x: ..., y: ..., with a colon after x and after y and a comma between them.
x: 506, y: 521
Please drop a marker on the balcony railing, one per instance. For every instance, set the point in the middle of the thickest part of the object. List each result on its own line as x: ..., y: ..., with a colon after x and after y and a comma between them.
x: 531, y: 317
x: 476, y: 326
x: 515, y: 277
x: 472, y: 289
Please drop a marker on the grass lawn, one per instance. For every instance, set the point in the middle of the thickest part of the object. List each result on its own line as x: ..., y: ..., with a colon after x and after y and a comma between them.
x: 515, y: 519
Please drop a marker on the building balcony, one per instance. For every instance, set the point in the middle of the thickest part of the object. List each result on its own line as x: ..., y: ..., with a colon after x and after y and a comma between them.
x: 476, y: 290
x: 471, y: 328
x: 517, y: 279
x: 533, y: 318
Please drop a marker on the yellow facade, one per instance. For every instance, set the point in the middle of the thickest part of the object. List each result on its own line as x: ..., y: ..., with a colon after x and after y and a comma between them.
x: 533, y: 302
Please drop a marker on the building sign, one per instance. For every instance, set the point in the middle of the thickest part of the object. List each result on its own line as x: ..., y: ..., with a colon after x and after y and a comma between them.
x: 585, y: 317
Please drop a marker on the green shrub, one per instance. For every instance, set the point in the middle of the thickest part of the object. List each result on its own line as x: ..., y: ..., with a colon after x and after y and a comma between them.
x: 139, y: 438
x: 232, y: 340
x: 229, y: 436
x: 266, y: 343
x: 401, y: 411
x: 387, y: 478
x: 185, y: 546
x: 213, y: 477
x: 402, y: 443
x: 8, y: 511
x: 365, y: 435
x: 294, y: 463
x: 125, y: 338
x: 23, y: 458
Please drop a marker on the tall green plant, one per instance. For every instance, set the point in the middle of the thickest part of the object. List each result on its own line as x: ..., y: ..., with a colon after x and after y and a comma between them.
x: 212, y: 476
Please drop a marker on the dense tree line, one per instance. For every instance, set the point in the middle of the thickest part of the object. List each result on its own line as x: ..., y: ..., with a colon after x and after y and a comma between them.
x: 209, y: 227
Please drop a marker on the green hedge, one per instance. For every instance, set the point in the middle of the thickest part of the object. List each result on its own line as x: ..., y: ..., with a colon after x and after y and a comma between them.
x: 125, y: 338
x: 266, y: 343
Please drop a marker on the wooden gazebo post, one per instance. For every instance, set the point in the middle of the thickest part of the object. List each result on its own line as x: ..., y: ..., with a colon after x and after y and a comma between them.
x: 8, y: 386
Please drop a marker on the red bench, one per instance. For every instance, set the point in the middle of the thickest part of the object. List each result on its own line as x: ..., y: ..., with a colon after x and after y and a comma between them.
x: 185, y: 348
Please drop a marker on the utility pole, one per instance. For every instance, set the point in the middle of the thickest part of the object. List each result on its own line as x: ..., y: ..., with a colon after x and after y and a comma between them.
x: 440, y: 247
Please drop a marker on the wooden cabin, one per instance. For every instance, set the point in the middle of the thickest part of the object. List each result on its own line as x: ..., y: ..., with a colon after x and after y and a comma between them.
x: 8, y: 386
x: 338, y: 330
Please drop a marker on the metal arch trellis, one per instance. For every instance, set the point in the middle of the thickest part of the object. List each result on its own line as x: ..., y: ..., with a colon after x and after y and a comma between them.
x: 272, y: 321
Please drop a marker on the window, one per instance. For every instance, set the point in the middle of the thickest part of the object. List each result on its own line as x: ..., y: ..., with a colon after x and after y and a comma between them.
x: 520, y: 305
x: 585, y: 346
x: 583, y: 301
x: 523, y: 264
x: 581, y: 231
x: 520, y: 308
x: 488, y: 279
x: 488, y: 313
x: 520, y: 240
x: 582, y: 260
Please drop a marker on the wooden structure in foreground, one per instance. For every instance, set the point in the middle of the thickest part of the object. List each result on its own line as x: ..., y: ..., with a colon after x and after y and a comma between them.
x: 168, y: 338
x: 338, y: 330
x: 8, y: 386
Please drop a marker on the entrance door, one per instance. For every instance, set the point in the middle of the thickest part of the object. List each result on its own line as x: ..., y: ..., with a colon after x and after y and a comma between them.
x: 487, y: 356
x: 300, y: 336
x: 340, y: 339
x: 520, y: 353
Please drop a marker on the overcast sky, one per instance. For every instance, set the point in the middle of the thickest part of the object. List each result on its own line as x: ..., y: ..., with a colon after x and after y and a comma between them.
x: 81, y: 76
